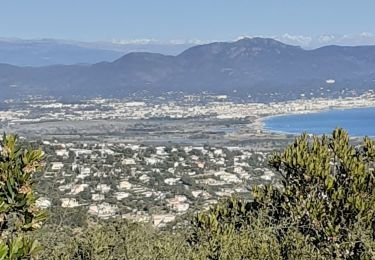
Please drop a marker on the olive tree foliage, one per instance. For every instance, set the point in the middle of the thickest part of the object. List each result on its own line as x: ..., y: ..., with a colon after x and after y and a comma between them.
x: 18, y: 212
x: 325, y: 207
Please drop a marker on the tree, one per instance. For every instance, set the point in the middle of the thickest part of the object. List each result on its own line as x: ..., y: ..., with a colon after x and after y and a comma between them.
x: 324, y: 209
x: 328, y: 193
x: 18, y: 212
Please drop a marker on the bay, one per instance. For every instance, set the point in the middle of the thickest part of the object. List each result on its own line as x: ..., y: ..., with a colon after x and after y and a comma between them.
x: 357, y: 121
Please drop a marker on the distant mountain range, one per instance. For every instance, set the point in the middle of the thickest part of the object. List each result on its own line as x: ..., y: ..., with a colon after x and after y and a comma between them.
x: 247, y: 66
x: 47, y: 52
x: 51, y: 52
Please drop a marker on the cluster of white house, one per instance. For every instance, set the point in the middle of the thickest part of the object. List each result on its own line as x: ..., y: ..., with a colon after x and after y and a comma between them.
x: 223, y: 182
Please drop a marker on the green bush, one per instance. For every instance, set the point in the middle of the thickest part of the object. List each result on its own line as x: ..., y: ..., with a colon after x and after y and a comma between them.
x: 112, y: 239
x: 18, y: 213
x: 325, y: 208
x: 329, y: 192
x: 121, y: 239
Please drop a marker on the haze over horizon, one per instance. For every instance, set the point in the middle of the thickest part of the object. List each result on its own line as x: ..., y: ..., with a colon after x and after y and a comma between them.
x: 308, y: 24
x: 305, y: 41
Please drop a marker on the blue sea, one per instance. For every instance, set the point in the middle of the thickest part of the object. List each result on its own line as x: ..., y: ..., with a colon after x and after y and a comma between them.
x: 358, y: 121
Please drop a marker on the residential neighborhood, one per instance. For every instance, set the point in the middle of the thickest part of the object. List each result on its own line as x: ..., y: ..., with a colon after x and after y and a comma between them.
x: 147, y: 183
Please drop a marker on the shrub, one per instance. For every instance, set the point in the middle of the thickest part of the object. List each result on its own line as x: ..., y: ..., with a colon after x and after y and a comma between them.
x: 18, y: 213
x: 112, y: 239
x: 325, y: 208
x: 329, y: 192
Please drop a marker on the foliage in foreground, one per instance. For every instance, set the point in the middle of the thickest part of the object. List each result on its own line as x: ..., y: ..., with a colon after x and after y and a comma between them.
x: 119, y: 239
x: 18, y: 213
x: 325, y: 209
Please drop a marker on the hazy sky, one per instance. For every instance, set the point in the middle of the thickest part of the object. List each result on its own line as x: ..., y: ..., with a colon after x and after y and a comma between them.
x: 92, y: 20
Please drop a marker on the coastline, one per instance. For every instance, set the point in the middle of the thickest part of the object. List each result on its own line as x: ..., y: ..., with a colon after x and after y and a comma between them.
x: 260, y: 123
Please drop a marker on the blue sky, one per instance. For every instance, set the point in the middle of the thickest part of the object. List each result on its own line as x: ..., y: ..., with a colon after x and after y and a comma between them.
x: 105, y: 20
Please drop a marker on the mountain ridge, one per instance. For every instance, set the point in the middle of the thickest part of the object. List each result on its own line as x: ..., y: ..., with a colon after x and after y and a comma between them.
x: 248, y: 65
x: 46, y: 52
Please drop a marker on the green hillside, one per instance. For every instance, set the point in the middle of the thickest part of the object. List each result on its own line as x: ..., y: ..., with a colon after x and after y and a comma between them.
x: 324, y: 208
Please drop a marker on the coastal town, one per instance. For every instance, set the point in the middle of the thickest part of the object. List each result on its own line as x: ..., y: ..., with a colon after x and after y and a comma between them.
x: 36, y: 110
x: 154, y: 160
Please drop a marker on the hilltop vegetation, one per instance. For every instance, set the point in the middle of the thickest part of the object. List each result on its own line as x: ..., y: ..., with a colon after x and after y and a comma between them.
x: 325, y: 208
